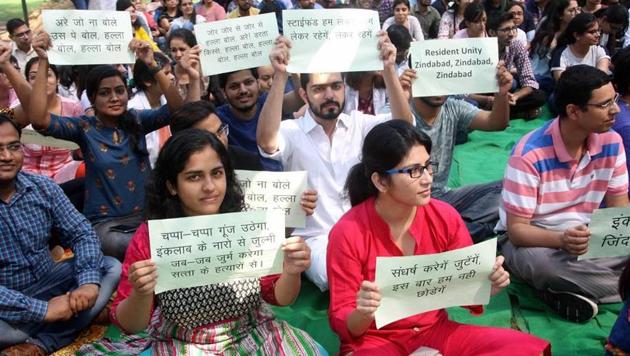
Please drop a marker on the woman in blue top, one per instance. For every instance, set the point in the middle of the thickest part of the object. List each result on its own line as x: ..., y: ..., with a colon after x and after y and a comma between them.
x: 112, y: 142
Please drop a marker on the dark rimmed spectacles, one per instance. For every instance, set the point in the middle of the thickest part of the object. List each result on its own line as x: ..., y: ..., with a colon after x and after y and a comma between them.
x: 417, y: 170
x: 224, y: 129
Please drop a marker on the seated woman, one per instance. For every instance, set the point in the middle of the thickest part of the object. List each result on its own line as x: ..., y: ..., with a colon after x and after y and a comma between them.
x: 474, y: 22
x: 192, y: 166
x: 401, y: 17
x: 189, y: 17
x: 365, y: 92
x: 112, y: 142
x: 393, y: 215
x: 579, y: 44
x: 452, y: 19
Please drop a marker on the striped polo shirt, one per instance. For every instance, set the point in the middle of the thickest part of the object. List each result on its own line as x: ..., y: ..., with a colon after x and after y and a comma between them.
x: 545, y: 184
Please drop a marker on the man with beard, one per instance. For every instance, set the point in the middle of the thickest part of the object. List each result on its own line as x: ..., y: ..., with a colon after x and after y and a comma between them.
x: 244, y: 103
x: 324, y: 141
x: 556, y: 177
x: 44, y: 305
x: 446, y: 121
x: 243, y: 8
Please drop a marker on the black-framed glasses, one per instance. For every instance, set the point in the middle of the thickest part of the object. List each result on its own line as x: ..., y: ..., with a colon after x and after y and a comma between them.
x: 12, y: 147
x: 508, y: 29
x: 417, y: 170
x: 224, y: 129
x: 607, y: 105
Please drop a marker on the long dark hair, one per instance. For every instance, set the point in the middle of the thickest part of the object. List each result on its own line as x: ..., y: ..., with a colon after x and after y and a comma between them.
x: 127, y: 121
x: 160, y: 204
x: 383, y: 148
x: 579, y: 24
x: 549, y: 25
x: 183, y: 34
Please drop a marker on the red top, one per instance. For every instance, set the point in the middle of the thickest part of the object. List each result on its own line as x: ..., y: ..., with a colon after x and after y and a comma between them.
x: 139, y: 250
x: 353, y: 245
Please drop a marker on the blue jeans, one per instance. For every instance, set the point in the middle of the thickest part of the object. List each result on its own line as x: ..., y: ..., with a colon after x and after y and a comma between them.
x: 478, y: 205
x: 61, y: 279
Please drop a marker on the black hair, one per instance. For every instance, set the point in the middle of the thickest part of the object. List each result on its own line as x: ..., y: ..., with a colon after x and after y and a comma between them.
x: 123, y: 5
x: 142, y: 73
x: 624, y: 282
x: 384, y: 147
x: 494, y: 22
x: 128, y: 122
x: 621, y: 75
x: 14, y: 24
x: 29, y: 64
x: 304, y: 79
x: 7, y: 116
x: 159, y: 203
x: 190, y: 114
x: 353, y: 79
x: 473, y: 13
x: 14, y: 62
x: 404, y: 2
x: 223, y: 77
x: 183, y: 34
x: 576, y: 85
x: 616, y: 14
x: 579, y: 24
x: 400, y: 37
x: 548, y: 26
x: 193, y: 16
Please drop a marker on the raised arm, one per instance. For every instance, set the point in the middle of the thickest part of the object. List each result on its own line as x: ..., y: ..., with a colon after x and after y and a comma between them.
x: 190, y: 64
x: 37, y: 110
x: 397, y: 97
x: 499, y: 118
x: 271, y: 114
x: 17, y: 80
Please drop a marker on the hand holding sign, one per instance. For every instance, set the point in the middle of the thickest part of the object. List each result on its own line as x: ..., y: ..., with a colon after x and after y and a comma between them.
x: 143, y: 52
x: 143, y: 277
x: 575, y: 240
x: 297, y: 255
x: 500, y: 278
x: 280, y: 54
x: 387, y: 49
x: 309, y: 201
x: 189, y: 63
x: 368, y: 299
x: 504, y: 77
x: 41, y: 44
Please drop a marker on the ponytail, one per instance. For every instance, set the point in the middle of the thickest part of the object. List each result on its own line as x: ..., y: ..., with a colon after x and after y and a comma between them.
x: 359, y: 186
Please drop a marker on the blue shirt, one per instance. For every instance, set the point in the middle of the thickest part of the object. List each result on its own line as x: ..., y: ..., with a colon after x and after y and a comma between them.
x: 243, y: 132
x: 38, y: 206
x: 115, y: 174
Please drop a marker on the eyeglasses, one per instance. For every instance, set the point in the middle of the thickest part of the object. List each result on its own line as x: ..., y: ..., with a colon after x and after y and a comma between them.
x: 22, y: 34
x: 508, y: 29
x: 417, y: 170
x: 607, y: 105
x: 224, y: 129
x: 12, y: 147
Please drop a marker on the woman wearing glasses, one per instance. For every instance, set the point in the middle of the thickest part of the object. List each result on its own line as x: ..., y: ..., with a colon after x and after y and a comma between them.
x: 393, y: 215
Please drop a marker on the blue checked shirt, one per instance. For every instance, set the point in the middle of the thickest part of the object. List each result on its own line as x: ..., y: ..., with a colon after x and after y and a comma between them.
x: 38, y: 206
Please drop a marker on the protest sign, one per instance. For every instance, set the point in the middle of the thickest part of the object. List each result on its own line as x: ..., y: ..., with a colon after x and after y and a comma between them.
x: 33, y: 137
x: 455, y: 66
x: 610, y: 233
x: 235, y: 44
x: 275, y: 190
x: 324, y: 41
x: 202, y: 250
x: 415, y: 284
x: 88, y: 36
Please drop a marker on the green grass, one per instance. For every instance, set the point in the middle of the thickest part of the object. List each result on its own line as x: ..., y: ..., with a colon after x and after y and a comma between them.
x: 13, y: 8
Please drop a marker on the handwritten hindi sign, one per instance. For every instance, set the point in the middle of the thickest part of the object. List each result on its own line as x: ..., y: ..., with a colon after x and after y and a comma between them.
x: 415, y: 284
x: 455, y: 66
x: 202, y: 250
x: 88, y: 36
x: 341, y: 40
x: 33, y: 137
x: 235, y: 44
x: 275, y: 190
x: 610, y: 233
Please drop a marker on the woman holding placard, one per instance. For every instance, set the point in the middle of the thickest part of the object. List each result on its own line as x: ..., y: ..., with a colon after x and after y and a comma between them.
x: 393, y: 215
x: 194, y: 176
x: 112, y: 142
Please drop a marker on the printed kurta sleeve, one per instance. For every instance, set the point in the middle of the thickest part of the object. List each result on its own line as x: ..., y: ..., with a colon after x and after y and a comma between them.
x: 153, y: 119
x: 65, y: 128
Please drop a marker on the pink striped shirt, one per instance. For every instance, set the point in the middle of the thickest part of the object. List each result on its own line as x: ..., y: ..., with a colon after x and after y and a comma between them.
x: 545, y: 184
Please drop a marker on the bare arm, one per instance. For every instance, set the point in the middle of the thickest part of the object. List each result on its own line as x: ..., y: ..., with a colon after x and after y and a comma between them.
x: 368, y: 301
x: 613, y: 201
x: 398, y: 99
x: 134, y: 313
x: 190, y: 64
x: 573, y: 240
x: 499, y: 117
x: 297, y: 258
x: 603, y: 65
x: 19, y: 83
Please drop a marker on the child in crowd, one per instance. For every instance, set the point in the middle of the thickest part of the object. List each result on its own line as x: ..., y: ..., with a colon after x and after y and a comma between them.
x: 112, y: 142
x: 194, y: 176
x: 393, y: 215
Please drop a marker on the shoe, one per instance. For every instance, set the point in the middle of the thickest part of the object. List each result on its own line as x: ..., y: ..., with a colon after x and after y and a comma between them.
x: 23, y: 350
x: 570, y: 306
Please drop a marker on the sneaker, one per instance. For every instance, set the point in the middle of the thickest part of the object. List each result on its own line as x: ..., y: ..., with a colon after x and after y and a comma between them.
x: 570, y: 306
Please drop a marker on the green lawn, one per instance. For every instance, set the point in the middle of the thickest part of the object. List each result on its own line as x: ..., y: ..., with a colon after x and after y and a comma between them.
x: 13, y: 8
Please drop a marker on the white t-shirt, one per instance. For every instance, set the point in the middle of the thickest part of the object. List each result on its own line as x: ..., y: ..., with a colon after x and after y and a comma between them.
x: 565, y: 58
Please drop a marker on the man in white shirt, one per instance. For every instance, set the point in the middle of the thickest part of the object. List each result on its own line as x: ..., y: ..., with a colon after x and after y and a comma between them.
x: 325, y: 141
x: 22, y: 38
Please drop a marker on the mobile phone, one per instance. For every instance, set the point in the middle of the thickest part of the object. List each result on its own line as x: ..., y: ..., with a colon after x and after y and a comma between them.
x: 126, y: 229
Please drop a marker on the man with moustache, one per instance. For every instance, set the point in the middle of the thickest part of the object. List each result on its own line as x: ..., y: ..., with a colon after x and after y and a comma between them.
x: 44, y: 305
x: 429, y: 18
x: 324, y: 141
x: 244, y: 103
x: 447, y: 121
x: 555, y: 179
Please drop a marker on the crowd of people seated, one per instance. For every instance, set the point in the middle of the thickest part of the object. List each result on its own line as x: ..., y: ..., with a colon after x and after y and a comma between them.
x: 158, y: 139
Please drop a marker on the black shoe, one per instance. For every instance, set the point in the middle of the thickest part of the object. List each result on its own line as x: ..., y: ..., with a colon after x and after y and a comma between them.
x: 570, y: 306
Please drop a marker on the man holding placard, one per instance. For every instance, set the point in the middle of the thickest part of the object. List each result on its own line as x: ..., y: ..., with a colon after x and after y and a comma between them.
x: 556, y: 177
x: 447, y: 121
x: 325, y: 141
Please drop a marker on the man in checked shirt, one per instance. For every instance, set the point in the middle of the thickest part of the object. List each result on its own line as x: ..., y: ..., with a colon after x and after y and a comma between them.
x: 44, y: 305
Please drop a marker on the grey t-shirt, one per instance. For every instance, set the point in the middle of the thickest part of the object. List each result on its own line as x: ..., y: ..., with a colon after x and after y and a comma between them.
x: 451, y: 126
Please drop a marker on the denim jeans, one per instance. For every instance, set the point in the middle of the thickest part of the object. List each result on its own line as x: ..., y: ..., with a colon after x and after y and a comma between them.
x: 478, y: 205
x: 61, y: 279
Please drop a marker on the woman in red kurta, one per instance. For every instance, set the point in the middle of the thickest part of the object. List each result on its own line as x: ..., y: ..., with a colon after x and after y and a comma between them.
x: 393, y: 215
